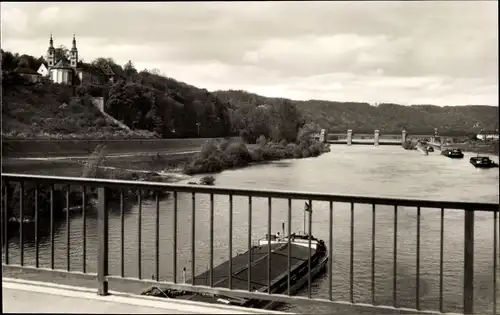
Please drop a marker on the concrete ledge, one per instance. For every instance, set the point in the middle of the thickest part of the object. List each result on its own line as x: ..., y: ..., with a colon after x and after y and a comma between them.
x: 17, y: 292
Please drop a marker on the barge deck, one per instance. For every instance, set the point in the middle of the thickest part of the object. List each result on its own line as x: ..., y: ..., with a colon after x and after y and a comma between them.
x: 259, y: 271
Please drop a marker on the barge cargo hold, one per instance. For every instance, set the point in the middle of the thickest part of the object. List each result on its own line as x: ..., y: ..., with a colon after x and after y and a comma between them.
x: 299, y: 270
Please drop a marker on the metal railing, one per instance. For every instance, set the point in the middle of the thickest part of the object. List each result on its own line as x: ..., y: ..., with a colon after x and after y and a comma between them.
x: 103, y: 188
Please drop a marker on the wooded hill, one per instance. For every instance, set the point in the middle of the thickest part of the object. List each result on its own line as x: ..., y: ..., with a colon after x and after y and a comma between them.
x: 388, y: 118
x: 147, y: 100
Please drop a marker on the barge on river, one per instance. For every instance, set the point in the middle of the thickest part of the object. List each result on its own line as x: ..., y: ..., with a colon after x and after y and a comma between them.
x: 453, y: 153
x: 259, y: 270
x: 482, y: 162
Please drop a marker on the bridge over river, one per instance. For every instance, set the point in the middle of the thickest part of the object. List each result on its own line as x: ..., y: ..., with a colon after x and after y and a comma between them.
x: 377, y: 138
x: 401, y: 239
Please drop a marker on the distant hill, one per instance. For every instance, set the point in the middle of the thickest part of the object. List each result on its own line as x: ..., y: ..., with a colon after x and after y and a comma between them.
x: 388, y: 118
x: 147, y: 101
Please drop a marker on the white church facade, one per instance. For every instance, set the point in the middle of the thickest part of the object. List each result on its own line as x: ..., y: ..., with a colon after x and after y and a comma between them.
x: 63, y: 70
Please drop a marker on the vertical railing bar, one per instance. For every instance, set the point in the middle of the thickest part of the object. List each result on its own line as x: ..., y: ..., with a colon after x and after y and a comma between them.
x: 351, y: 264
x: 441, y: 261
x: 309, y: 279
x: 52, y: 249
x: 468, y: 294
x: 37, y: 254
x: 250, y: 249
x: 230, y: 270
x: 174, y: 237
x: 21, y: 219
x: 139, y: 234
x: 193, y: 238
x: 122, y: 234
x: 395, y: 259
x: 330, y: 253
x: 211, y: 270
x: 269, y: 222
x: 84, y: 228
x: 157, y: 236
x: 495, y: 240
x: 68, y: 259
x: 373, y: 252
x: 102, y: 232
x: 289, y: 247
x: 6, y: 223
x: 417, y: 293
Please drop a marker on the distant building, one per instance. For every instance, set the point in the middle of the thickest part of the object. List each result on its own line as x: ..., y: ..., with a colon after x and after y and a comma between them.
x: 70, y: 71
x: 28, y: 74
x: 487, y: 135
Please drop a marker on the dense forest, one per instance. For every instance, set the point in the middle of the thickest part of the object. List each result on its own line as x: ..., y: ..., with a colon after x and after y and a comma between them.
x: 146, y: 100
x: 363, y: 117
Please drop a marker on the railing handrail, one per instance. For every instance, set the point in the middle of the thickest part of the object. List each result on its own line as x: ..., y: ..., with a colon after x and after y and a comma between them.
x: 103, y: 276
x: 268, y: 193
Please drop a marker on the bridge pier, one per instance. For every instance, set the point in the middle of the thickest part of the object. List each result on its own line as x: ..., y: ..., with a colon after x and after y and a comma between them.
x: 403, y: 137
x: 349, y: 137
x: 376, y: 137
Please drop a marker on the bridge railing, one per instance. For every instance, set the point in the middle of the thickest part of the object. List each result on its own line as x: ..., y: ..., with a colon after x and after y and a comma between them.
x: 34, y: 186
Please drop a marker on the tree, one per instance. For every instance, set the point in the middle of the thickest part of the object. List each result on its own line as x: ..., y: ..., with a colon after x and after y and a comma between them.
x: 307, y: 131
x: 129, y: 69
x: 286, y: 121
x: 102, y: 62
x: 61, y: 52
x: 155, y: 71
x: 27, y: 61
x: 9, y: 61
x: 23, y: 63
x: 118, y: 104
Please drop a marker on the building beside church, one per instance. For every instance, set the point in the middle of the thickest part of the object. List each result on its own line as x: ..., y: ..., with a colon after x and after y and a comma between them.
x: 63, y: 70
x: 43, y: 70
x: 30, y: 75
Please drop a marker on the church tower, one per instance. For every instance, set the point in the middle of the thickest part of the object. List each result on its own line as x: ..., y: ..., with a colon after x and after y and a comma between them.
x: 74, y: 54
x: 51, y: 53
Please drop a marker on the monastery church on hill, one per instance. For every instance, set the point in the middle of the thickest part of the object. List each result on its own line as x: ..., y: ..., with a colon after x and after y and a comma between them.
x: 70, y: 71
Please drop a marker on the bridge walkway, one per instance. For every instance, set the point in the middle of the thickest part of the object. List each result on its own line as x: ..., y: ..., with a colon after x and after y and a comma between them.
x: 22, y: 296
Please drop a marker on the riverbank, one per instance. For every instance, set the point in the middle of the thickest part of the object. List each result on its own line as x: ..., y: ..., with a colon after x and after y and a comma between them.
x: 480, y: 147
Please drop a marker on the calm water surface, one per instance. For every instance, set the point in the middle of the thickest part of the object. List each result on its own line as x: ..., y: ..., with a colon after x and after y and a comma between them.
x: 360, y: 170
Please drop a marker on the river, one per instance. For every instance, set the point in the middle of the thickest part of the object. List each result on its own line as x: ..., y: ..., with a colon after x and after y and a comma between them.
x: 360, y: 170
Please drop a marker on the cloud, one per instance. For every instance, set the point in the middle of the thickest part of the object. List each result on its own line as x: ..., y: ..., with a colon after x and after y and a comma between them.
x: 14, y: 19
x: 407, y: 52
x: 49, y: 14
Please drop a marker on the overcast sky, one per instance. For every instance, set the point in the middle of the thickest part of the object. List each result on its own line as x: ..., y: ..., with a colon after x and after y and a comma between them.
x: 442, y: 53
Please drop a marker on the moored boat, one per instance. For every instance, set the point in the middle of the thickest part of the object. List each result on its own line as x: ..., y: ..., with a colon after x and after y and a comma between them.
x: 453, y: 153
x: 299, y: 247
x: 482, y: 162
